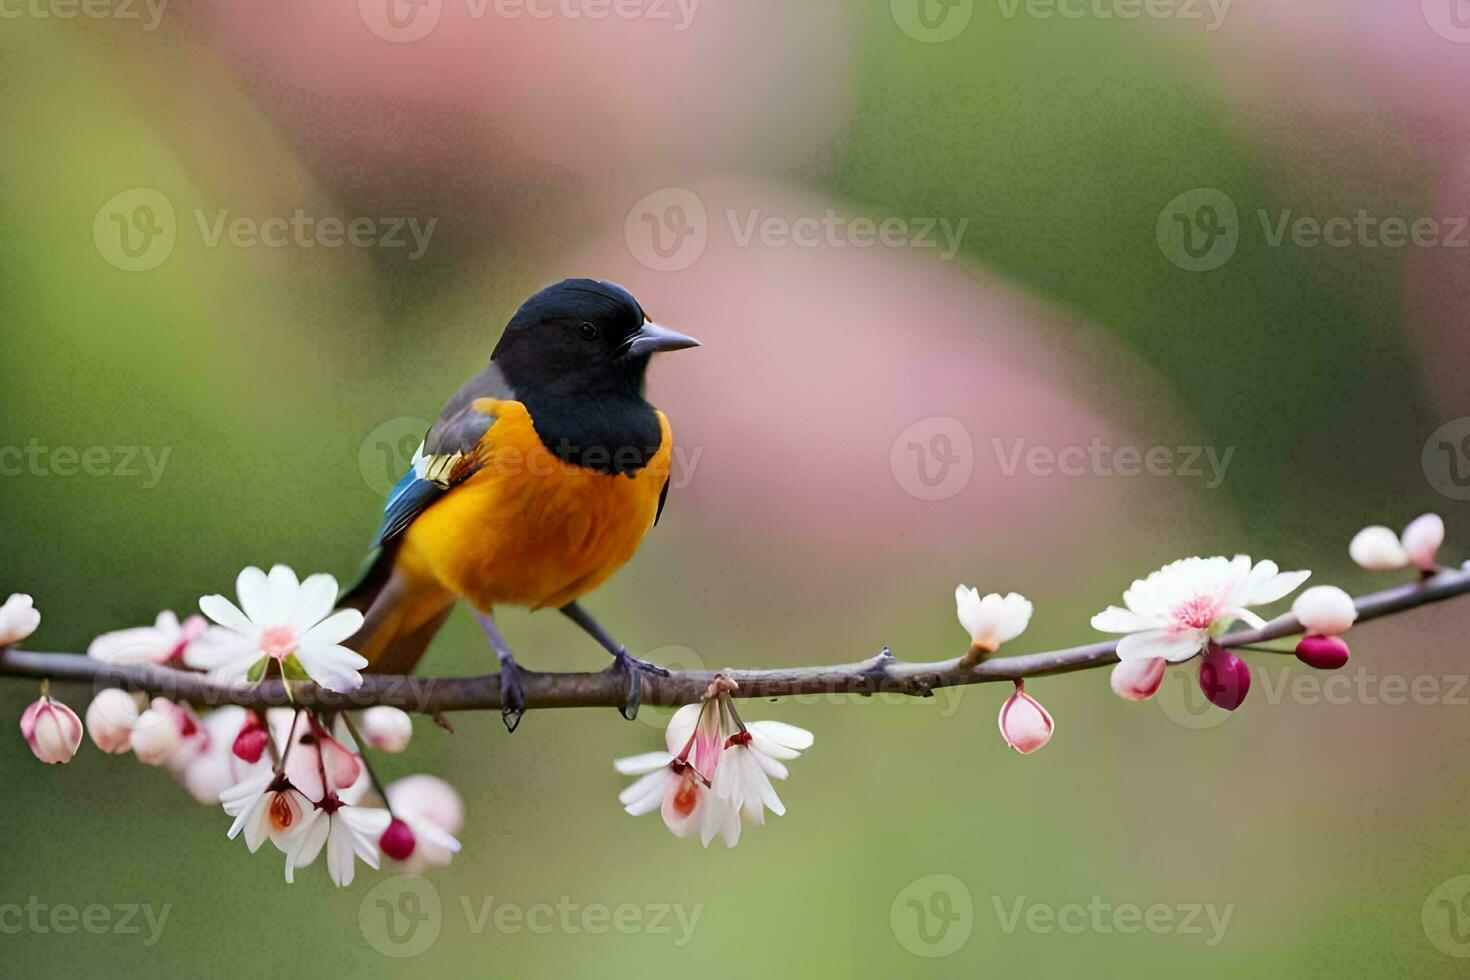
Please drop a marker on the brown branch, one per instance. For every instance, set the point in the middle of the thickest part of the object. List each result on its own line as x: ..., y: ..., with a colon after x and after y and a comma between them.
x: 883, y: 673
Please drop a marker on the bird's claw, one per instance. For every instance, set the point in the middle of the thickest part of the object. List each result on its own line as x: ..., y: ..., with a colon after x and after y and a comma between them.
x: 633, y: 669
x: 512, y: 701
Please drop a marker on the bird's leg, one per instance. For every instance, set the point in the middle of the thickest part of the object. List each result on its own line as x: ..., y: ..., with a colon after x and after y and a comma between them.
x: 512, y: 702
x: 623, y: 661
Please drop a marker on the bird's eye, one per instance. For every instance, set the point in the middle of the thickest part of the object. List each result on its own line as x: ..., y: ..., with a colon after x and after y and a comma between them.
x: 588, y: 330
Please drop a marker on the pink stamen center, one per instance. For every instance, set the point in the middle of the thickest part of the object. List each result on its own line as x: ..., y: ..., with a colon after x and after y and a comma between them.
x: 1198, y: 613
x: 278, y: 642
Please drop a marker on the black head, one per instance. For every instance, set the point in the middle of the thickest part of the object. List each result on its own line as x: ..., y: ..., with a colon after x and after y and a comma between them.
x: 582, y: 337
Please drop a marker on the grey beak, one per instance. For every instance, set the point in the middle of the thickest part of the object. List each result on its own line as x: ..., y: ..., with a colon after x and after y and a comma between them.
x: 654, y: 338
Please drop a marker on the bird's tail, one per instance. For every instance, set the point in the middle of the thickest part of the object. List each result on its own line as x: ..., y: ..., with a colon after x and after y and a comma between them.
x: 400, y: 615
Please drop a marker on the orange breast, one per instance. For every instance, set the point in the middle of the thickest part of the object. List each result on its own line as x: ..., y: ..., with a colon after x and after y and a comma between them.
x: 528, y: 529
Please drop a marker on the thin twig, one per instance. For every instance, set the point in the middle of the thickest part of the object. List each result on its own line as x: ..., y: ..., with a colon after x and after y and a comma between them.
x: 604, y: 689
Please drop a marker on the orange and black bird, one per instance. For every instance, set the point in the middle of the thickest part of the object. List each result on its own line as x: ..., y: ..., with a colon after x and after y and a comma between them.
x: 537, y: 482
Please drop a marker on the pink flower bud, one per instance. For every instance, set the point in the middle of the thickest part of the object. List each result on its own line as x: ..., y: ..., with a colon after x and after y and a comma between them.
x: 343, y: 768
x: 1024, y: 723
x: 1378, y: 549
x: 18, y: 619
x: 1138, y: 680
x: 158, y: 733
x: 1325, y: 610
x: 1224, y: 678
x: 386, y: 729
x: 110, y: 720
x: 52, y: 730
x: 1422, y: 539
x: 250, y: 744
x: 398, y: 841
x: 1322, y: 652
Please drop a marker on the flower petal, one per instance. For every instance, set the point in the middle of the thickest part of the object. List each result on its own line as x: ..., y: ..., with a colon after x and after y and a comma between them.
x: 283, y: 587
x: 1267, y: 588
x: 637, y: 765
x: 226, y: 613
x: 1171, y: 645
x: 334, y: 629
x: 334, y: 668
x: 1115, y: 619
x: 314, y: 602
x: 308, y: 843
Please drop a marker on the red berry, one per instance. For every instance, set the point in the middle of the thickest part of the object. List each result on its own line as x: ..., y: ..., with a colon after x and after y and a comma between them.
x: 1322, y: 652
x: 397, y: 841
x: 251, y: 742
x: 1224, y: 678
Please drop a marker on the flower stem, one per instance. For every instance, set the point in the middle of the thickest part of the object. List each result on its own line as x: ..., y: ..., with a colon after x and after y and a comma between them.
x: 362, y: 752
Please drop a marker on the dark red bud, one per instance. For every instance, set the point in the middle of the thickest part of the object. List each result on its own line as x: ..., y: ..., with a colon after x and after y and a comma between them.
x: 397, y: 841
x: 251, y: 742
x: 1224, y: 678
x: 1322, y: 652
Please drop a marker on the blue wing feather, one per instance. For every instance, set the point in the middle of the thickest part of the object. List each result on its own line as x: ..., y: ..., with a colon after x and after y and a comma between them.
x: 409, y: 499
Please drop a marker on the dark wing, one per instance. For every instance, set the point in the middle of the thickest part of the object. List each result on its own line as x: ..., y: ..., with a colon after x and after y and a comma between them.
x: 663, y: 498
x: 448, y: 455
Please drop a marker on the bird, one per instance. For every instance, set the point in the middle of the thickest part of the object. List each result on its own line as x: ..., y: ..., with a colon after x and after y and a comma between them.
x: 537, y: 482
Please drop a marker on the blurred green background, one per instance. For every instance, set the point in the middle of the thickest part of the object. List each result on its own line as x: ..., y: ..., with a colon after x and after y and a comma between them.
x: 286, y: 386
